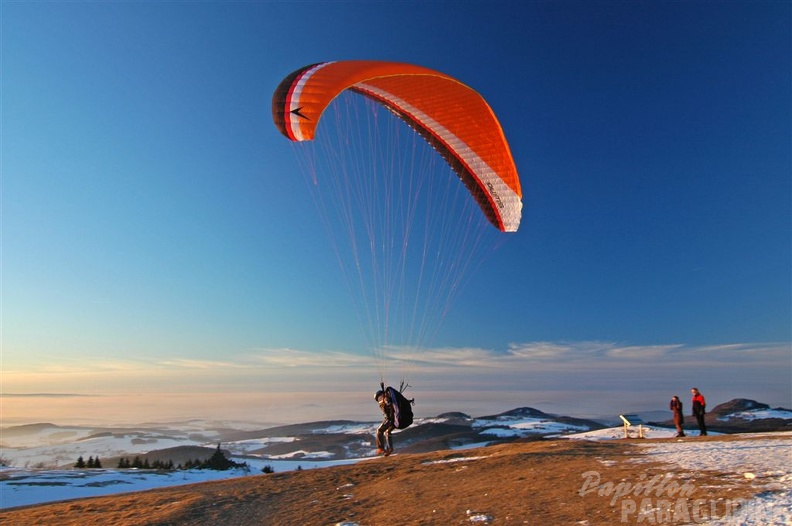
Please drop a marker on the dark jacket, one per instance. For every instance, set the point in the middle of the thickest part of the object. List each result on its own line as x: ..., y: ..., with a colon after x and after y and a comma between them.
x: 386, y: 407
x: 676, y: 407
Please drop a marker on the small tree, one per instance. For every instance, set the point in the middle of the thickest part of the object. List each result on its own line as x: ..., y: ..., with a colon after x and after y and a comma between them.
x: 80, y: 463
x: 218, y: 461
x: 97, y: 464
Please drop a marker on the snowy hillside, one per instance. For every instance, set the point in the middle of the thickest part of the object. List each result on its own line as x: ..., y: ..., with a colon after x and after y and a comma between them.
x: 52, y: 446
x: 749, y: 410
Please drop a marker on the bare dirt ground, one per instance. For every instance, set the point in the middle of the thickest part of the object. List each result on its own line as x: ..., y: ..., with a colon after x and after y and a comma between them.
x: 540, y: 482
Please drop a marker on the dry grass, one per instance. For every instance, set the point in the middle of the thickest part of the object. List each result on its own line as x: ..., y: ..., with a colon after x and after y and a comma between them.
x: 518, y: 483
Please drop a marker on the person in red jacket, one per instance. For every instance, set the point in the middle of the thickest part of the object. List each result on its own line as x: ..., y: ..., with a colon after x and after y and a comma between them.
x: 699, y: 409
x: 679, y: 418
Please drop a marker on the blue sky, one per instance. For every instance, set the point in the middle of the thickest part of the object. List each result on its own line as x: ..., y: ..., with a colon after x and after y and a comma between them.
x: 157, y: 236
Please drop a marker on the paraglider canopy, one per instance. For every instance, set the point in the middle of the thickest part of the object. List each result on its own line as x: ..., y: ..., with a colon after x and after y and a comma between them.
x: 452, y: 117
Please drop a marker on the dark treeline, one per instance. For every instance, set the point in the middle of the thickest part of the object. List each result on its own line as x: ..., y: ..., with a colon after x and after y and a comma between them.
x: 217, y: 461
x: 93, y: 463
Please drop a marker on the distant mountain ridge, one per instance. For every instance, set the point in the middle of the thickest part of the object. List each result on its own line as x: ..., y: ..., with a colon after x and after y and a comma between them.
x: 739, y: 405
x: 334, y: 439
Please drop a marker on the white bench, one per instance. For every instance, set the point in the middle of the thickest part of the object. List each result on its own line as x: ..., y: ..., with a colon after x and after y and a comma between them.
x: 633, y: 421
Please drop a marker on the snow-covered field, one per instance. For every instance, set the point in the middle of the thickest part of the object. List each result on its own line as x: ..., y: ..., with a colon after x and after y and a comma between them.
x: 21, y: 487
x: 39, y: 462
x: 766, y: 462
x: 764, y: 459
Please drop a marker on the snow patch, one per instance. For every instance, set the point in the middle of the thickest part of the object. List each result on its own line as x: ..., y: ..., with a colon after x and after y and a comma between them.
x: 758, y: 414
x: 452, y: 460
x: 512, y: 426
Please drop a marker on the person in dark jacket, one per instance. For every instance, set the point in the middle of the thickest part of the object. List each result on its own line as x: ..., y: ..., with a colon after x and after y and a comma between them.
x: 679, y: 418
x: 384, y: 444
x: 699, y: 410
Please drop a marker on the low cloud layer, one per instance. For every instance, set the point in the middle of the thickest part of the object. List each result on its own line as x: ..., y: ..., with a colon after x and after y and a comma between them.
x: 577, y: 378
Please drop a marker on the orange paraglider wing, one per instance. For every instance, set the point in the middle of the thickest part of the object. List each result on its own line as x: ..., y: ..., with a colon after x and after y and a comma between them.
x: 452, y: 117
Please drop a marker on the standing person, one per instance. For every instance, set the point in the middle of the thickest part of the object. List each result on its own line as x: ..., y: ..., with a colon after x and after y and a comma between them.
x: 384, y: 445
x: 679, y: 418
x: 699, y: 409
